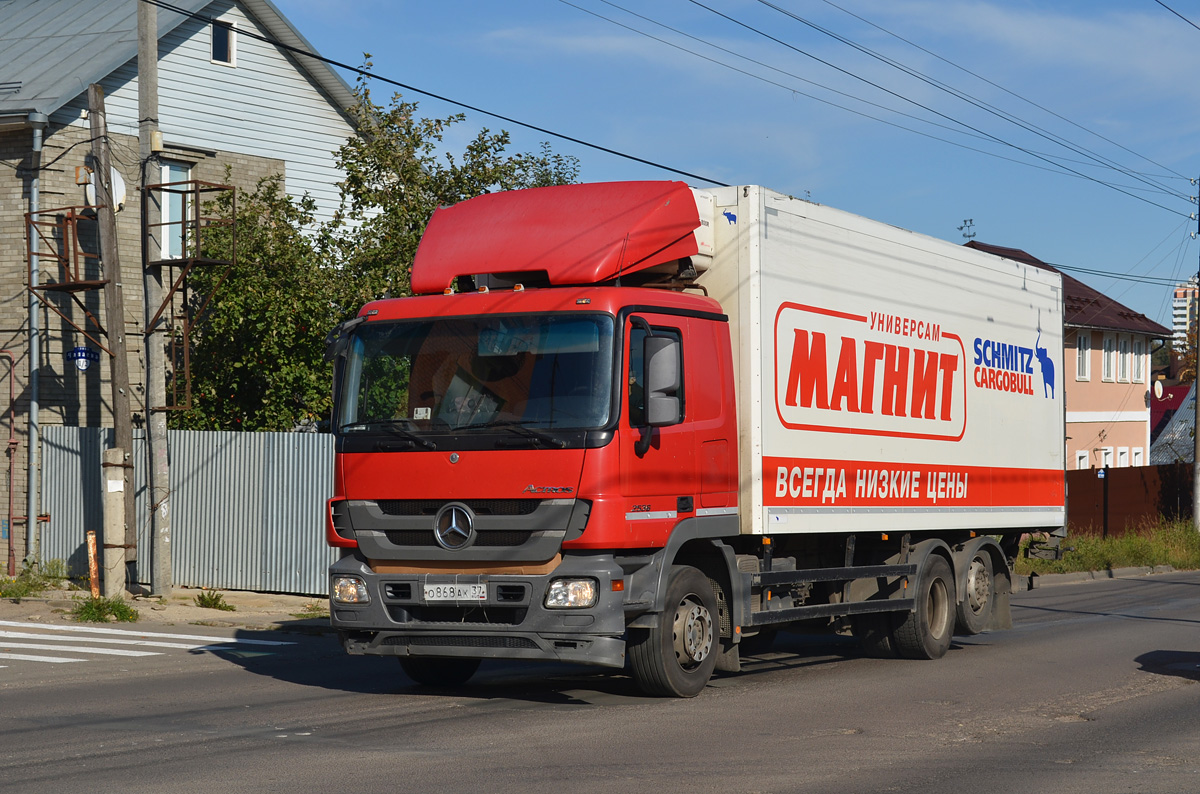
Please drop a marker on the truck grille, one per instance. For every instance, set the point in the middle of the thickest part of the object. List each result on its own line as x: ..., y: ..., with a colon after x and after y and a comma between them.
x: 459, y: 616
x: 485, y: 537
x: 481, y: 507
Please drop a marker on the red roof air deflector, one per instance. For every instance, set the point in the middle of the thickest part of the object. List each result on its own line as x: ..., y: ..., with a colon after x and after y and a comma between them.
x: 578, y: 234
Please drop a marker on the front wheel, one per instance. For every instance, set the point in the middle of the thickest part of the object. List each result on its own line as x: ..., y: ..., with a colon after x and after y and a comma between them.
x: 676, y: 657
x: 925, y: 632
x: 438, y: 672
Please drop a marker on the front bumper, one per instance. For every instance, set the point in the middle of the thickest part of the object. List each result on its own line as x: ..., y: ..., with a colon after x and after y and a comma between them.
x: 511, y: 623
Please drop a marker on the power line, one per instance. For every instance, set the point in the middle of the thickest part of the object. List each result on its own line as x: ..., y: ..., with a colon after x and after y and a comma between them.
x: 1176, y: 13
x: 414, y: 89
x: 977, y: 76
x: 1028, y: 127
x: 911, y: 101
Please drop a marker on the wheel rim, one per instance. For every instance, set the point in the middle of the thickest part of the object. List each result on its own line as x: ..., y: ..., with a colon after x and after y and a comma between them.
x: 937, y: 607
x: 693, y: 633
x: 979, y: 586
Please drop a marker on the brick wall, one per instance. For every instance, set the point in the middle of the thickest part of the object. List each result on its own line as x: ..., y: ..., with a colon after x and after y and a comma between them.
x: 67, y: 395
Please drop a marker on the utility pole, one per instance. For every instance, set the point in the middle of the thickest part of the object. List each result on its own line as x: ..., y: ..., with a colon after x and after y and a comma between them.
x: 150, y: 142
x: 114, y: 308
x: 1194, y: 332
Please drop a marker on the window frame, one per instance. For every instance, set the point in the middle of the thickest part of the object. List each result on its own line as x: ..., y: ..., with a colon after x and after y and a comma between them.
x: 1109, y: 359
x: 1123, y: 352
x: 1138, y: 373
x: 1082, y: 459
x: 1083, y: 355
x: 231, y: 42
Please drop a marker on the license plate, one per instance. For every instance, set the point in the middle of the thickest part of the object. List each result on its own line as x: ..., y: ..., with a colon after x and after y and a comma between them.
x: 455, y: 592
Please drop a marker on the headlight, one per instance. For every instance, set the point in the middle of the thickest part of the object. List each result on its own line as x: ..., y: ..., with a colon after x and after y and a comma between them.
x: 349, y: 590
x: 571, y: 594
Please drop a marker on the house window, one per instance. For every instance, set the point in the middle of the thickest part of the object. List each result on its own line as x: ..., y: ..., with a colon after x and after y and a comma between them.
x: 224, y: 43
x: 1081, y: 459
x: 1123, y: 359
x: 174, y: 209
x: 1139, y: 361
x: 1109, y: 362
x: 1083, y: 356
x: 1122, y: 457
x: 1137, y: 456
x: 1106, y: 457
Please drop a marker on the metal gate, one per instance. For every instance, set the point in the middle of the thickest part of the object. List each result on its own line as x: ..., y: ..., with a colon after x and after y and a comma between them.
x: 247, y: 509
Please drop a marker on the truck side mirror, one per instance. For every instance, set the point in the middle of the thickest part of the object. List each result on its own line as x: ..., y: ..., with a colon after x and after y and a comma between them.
x: 660, y: 357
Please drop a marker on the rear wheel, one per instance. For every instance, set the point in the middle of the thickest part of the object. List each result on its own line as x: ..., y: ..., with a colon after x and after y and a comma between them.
x: 925, y: 633
x: 979, y: 596
x: 434, y: 671
x: 676, y: 657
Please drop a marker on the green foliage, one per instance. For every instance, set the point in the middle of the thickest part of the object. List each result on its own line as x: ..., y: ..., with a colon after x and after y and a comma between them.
x: 1176, y: 544
x: 102, y: 610
x: 211, y: 599
x: 31, y: 582
x: 257, y: 349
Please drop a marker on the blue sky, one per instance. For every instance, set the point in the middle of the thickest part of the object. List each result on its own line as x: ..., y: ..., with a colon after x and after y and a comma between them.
x: 1119, y: 81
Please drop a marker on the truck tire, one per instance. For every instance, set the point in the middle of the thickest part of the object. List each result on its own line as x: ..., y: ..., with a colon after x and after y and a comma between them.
x: 979, y: 596
x: 925, y: 632
x: 676, y: 657
x: 438, y: 672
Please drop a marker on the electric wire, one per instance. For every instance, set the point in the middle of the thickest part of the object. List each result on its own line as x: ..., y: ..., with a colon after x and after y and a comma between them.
x: 365, y: 73
x: 928, y: 109
x: 830, y: 103
x: 996, y: 85
x: 989, y: 108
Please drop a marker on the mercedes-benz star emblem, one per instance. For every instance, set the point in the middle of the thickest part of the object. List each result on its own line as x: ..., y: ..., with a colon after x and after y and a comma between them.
x: 453, y: 526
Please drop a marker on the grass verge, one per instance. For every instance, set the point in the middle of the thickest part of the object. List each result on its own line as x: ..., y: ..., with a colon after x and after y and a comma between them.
x: 31, y: 582
x: 1169, y: 543
x: 211, y: 599
x: 103, y: 610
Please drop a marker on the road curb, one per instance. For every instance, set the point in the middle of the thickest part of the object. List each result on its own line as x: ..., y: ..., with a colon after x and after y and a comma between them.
x: 1034, y: 581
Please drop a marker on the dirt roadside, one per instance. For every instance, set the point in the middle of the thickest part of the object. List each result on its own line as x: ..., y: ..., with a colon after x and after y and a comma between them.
x: 251, y: 611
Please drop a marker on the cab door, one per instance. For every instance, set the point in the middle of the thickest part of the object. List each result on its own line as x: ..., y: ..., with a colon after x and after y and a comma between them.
x: 659, y: 486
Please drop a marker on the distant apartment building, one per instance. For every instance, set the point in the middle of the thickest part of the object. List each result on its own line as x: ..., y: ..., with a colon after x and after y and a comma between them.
x: 1183, y: 311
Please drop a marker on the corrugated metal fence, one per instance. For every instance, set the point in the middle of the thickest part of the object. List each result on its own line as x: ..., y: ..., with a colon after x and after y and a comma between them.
x: 247, y: 508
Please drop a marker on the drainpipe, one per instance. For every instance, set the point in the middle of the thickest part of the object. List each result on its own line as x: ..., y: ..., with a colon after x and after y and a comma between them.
x: 12, y: 457
x: 38, y: 122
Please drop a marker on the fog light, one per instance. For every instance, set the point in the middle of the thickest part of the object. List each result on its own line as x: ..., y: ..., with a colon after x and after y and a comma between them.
x: 349, y: 590
x: 571, y: 594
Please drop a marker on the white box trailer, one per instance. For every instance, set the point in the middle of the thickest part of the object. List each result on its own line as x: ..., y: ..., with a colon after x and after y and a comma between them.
x: 888, y: 381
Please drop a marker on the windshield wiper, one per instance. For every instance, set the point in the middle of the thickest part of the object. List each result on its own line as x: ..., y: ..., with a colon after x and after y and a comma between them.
x: 520, y: 430
x: 396, y: 427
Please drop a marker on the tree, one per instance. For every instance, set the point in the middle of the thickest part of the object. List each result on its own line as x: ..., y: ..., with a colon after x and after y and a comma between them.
x: 256, y: 359
x: 257, y: 351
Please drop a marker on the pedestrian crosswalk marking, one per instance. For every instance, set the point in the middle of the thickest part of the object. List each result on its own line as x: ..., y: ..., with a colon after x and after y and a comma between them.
x: 81, y: 643
x: 38, y: 646
x: 184, y: 646
x: 21, y: 657
x: 128, y: 633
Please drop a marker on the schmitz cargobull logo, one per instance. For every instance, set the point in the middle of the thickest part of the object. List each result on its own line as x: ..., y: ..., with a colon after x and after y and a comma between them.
x: 878, y: 373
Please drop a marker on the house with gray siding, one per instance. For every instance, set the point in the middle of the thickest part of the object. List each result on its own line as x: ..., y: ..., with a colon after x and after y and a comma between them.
x: 227, y: 99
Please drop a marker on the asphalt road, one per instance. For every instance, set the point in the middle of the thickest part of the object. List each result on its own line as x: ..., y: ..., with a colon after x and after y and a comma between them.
x: 1094, y: 690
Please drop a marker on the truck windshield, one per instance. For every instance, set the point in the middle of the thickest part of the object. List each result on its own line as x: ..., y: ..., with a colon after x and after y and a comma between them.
x: 478, y: 374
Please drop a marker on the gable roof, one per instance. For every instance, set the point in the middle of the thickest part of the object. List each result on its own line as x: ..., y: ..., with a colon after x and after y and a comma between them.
x: 1084, y: 307
x: 51, y: 50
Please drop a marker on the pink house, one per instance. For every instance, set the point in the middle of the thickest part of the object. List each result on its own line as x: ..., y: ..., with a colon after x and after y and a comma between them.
x: 1106, y: 372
